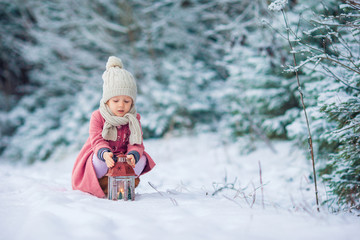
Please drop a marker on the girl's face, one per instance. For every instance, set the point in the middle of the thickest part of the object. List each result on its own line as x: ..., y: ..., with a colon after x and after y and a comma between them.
x: 120, y: 105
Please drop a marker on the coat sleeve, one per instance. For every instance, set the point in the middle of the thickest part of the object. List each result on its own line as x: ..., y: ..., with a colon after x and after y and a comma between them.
x: 137, y: 147
x: 95, y: 132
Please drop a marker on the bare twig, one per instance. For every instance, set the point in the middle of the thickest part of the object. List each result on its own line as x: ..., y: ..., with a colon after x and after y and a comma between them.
x: 304, y: 109
x: 262, y: 188
x: 244, y: 196
x: 232, y: 200
x: 174, y: 201
x: 226, y: 185
x: 262, y: 135
x: 253, y: 195
x: 171, y: 199
x: 151, y: 185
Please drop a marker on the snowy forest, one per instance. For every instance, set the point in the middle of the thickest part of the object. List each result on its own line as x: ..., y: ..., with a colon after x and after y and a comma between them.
x: 237, y: 68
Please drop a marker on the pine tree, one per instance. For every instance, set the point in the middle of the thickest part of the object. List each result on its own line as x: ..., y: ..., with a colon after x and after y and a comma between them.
x: 327, y: 42
x: 340, y: 61
x: 259, y: 98
x: 13, y: 68
x: 180, y: 69
x: 68, y: 53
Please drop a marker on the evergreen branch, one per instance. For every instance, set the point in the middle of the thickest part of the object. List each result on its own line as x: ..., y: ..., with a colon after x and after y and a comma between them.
x: 338, y: 78
x: 353, y: 4
x: 343, y: 42
x: 347, y: 128
x: 342, y: 64
x: 355, y: 69
x: 327, y: 57
x: 336, y: 24
x: 318, y: 58
x: 309, y: 59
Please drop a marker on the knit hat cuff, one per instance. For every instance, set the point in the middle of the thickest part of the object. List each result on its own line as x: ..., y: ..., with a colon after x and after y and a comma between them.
x: 131, y: 92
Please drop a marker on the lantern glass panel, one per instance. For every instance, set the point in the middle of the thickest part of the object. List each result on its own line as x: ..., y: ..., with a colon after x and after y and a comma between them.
x: 121, y: 188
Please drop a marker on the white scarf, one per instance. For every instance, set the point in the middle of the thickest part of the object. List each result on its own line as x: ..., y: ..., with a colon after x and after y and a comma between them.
x: 111, y: 122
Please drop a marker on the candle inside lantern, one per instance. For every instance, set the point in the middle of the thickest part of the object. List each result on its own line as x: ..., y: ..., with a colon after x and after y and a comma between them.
x: 121, y: 190
x: 121, y: 194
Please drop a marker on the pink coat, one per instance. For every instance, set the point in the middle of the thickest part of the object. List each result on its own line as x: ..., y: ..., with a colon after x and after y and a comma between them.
x: 83, y: 174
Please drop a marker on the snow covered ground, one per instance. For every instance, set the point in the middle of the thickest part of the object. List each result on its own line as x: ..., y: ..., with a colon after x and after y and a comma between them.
x: 37, y: 202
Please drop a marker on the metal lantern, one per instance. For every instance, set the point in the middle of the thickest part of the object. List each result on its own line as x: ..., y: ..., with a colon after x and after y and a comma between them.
x: 121, y: 183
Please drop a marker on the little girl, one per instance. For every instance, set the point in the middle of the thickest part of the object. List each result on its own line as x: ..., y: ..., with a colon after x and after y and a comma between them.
x: 114, y: 129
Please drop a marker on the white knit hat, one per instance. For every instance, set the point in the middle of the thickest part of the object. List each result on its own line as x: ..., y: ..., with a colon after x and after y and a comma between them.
x: 117, y: 81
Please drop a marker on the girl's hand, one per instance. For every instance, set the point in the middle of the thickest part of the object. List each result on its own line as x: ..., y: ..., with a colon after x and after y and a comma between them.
x: 130, y: 160
x: 108, y: 156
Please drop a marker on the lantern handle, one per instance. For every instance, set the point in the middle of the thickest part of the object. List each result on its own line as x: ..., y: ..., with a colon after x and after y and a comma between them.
x: 119, y: 158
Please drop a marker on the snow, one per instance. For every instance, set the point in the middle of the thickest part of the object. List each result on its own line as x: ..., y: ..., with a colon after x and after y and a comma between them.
x: 278, y: 5
x: 37, y: 201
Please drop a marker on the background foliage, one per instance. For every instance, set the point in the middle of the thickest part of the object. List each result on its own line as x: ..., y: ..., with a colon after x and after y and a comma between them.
x: 201, y: 65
